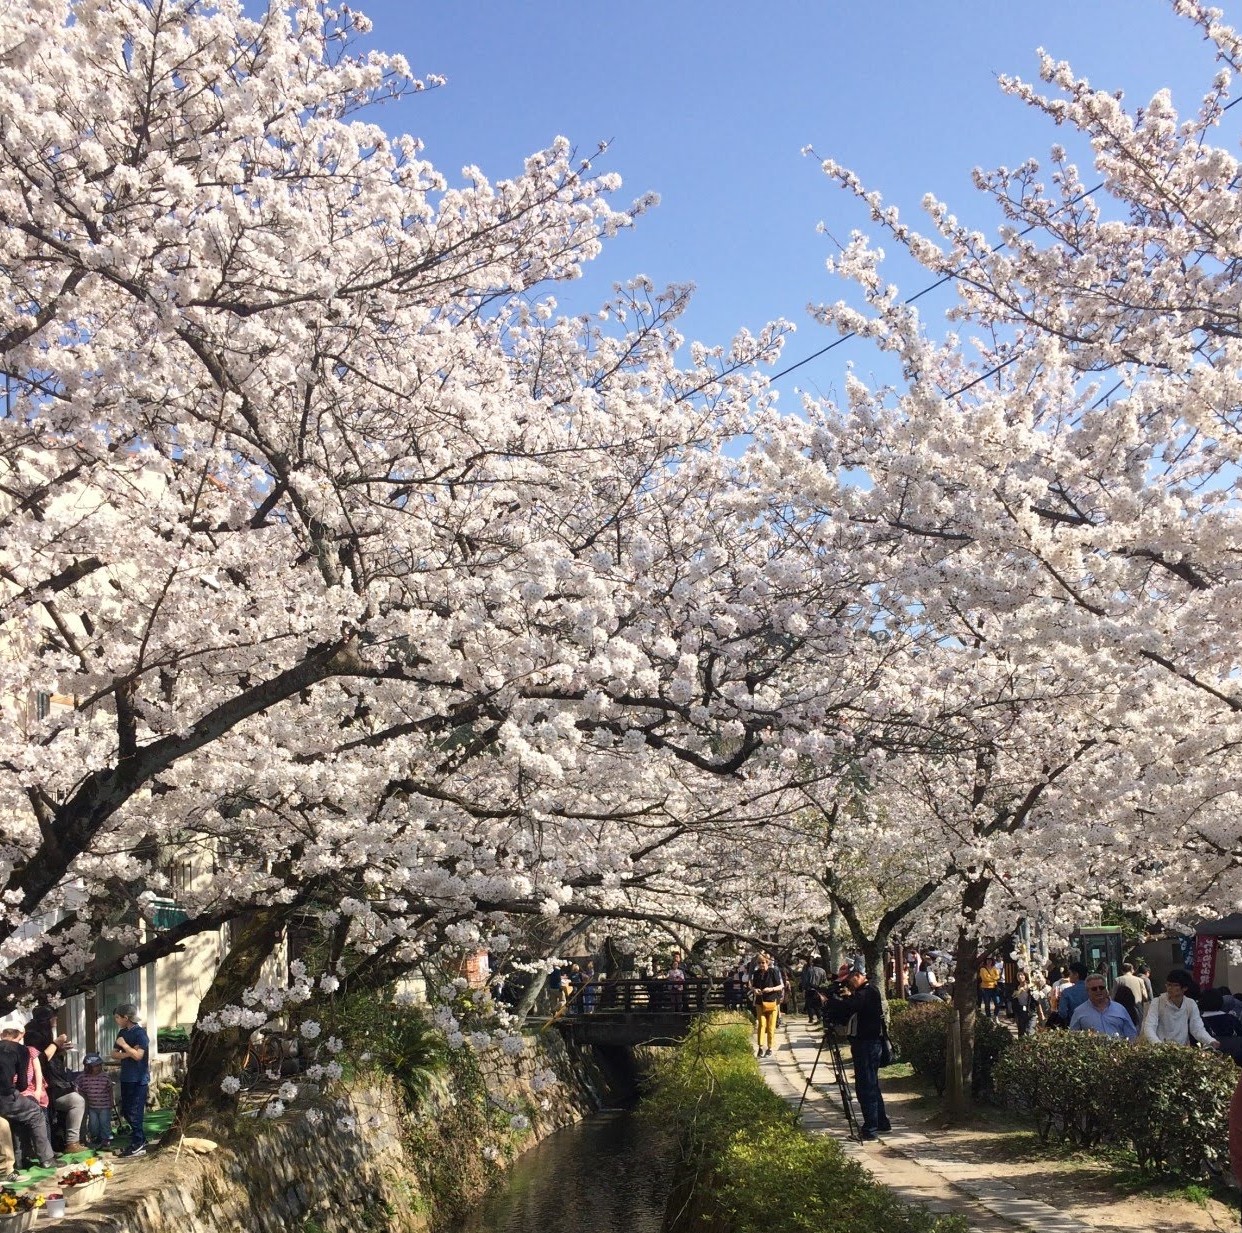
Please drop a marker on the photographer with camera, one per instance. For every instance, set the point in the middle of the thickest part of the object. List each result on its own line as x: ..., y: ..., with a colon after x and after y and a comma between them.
x: 855, y: 997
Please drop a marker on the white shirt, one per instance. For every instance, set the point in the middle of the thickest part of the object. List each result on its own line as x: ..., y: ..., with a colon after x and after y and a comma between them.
x: 1176, y: 1024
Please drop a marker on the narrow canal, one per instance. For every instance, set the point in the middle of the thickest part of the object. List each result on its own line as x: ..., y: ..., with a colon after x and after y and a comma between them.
x: 605, y: 1175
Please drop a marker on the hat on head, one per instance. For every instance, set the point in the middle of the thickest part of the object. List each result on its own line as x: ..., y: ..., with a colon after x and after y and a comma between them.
x: 92, y: 1059
x: 843, y: 971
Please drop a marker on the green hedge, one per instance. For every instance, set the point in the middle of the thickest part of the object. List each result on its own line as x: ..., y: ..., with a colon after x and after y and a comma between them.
x: 920, y: 1034
x: 1070, y: 1083
x: 746, y: 1166
x: 1168, y: 1103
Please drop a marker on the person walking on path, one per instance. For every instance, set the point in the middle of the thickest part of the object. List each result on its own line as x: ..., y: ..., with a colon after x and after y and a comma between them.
x: 1130, y: 980
x: 1174, y: 1017
x: 812, y: 980
x: 1099, y: 1013
x: 1144, y: 974
x: 132, y: 1050
x: 766, y: 984
x: 1076, y: 994
x: 1024, y: 1005
x: 864, y: 1005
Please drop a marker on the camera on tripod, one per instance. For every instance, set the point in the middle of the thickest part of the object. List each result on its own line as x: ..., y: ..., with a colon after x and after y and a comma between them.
x: 836, y: 1015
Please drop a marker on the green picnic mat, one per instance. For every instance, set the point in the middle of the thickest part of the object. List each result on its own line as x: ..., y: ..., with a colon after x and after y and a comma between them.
x: 156, y: 1122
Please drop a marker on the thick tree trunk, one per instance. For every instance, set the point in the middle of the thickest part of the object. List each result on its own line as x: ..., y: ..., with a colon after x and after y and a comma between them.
x: 213, y: 1055
x: 965, y: 1003
x: 834, y: 953
x: 530, y: 995
x: 873, y: 956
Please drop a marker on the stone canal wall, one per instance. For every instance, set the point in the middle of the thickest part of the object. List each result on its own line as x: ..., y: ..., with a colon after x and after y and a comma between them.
x: 368, y: 1164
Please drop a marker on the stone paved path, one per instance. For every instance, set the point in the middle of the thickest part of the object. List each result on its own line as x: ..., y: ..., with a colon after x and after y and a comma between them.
x: 908, y: 1161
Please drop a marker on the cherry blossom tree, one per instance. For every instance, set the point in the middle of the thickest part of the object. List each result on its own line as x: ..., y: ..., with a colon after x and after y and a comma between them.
x: 1061, y: 483
x: 406, y: 602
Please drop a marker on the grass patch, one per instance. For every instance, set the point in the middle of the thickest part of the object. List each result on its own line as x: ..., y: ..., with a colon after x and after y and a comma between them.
x: 746, y: 1166
x: 1003, y: 1134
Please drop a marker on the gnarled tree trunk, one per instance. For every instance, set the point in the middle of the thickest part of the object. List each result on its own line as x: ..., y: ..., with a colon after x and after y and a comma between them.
x: 213, y: 1055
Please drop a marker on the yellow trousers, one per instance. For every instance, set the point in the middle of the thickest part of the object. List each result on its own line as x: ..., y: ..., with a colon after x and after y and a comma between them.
x: 765, y: 1022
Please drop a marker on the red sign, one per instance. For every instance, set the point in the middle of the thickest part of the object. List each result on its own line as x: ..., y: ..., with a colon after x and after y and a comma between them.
x: 1205, y: 962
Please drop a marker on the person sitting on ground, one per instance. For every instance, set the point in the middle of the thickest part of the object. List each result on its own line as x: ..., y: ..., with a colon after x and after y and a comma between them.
x: 95, y: 1088
x: 1173, y: 1017
x: 8, y: 1157
x: 16, y: 1107
x: 1099, y: 1013
x: 132, y: 1050
x: 52, y: 1050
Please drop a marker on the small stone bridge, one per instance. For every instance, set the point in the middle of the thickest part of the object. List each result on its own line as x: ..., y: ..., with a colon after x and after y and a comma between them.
x: 650, y: 1011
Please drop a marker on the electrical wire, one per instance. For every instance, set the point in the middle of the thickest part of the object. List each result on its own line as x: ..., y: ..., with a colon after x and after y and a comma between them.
x: 940, y: 282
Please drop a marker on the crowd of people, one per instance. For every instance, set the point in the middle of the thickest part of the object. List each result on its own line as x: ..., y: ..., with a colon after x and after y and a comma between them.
x: 1080, y: 1000
x: 47, y: 1107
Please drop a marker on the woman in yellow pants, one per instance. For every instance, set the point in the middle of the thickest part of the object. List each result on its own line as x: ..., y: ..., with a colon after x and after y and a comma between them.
x: 766, y: 985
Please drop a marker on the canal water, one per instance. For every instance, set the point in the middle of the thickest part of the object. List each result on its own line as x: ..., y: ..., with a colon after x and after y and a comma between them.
x: 605, y: 1175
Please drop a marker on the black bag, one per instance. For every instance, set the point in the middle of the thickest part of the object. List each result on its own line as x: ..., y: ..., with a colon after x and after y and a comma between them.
x: 888, y: 1055
x: 59, y: 1081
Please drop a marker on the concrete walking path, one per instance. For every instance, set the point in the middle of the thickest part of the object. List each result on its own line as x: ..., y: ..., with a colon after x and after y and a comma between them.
x: 908, y: 1161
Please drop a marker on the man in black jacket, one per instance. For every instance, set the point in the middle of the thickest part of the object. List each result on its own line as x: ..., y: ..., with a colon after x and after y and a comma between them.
x: 15, y: 1108
x: 863, y: 1005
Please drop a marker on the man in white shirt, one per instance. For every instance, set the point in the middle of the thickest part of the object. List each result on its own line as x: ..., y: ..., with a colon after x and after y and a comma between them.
x: 1174, y: 1017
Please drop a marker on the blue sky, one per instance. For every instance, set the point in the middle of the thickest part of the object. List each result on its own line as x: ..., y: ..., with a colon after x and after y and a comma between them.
x: 709, y: 103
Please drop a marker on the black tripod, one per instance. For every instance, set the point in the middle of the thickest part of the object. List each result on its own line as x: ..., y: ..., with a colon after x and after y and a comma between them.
x: 833, y: 1044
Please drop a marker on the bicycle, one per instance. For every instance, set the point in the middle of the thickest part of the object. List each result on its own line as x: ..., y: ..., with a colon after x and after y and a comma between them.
x: 264, y: 1059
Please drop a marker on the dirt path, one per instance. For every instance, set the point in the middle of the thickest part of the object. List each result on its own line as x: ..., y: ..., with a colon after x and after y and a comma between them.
x: 986, y: 1174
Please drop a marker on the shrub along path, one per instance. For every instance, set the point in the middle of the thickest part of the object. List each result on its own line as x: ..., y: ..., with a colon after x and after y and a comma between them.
x: 942, y: 1172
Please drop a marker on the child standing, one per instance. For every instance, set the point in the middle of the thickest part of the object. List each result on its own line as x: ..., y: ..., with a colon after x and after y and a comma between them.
x: 96, y: 1089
